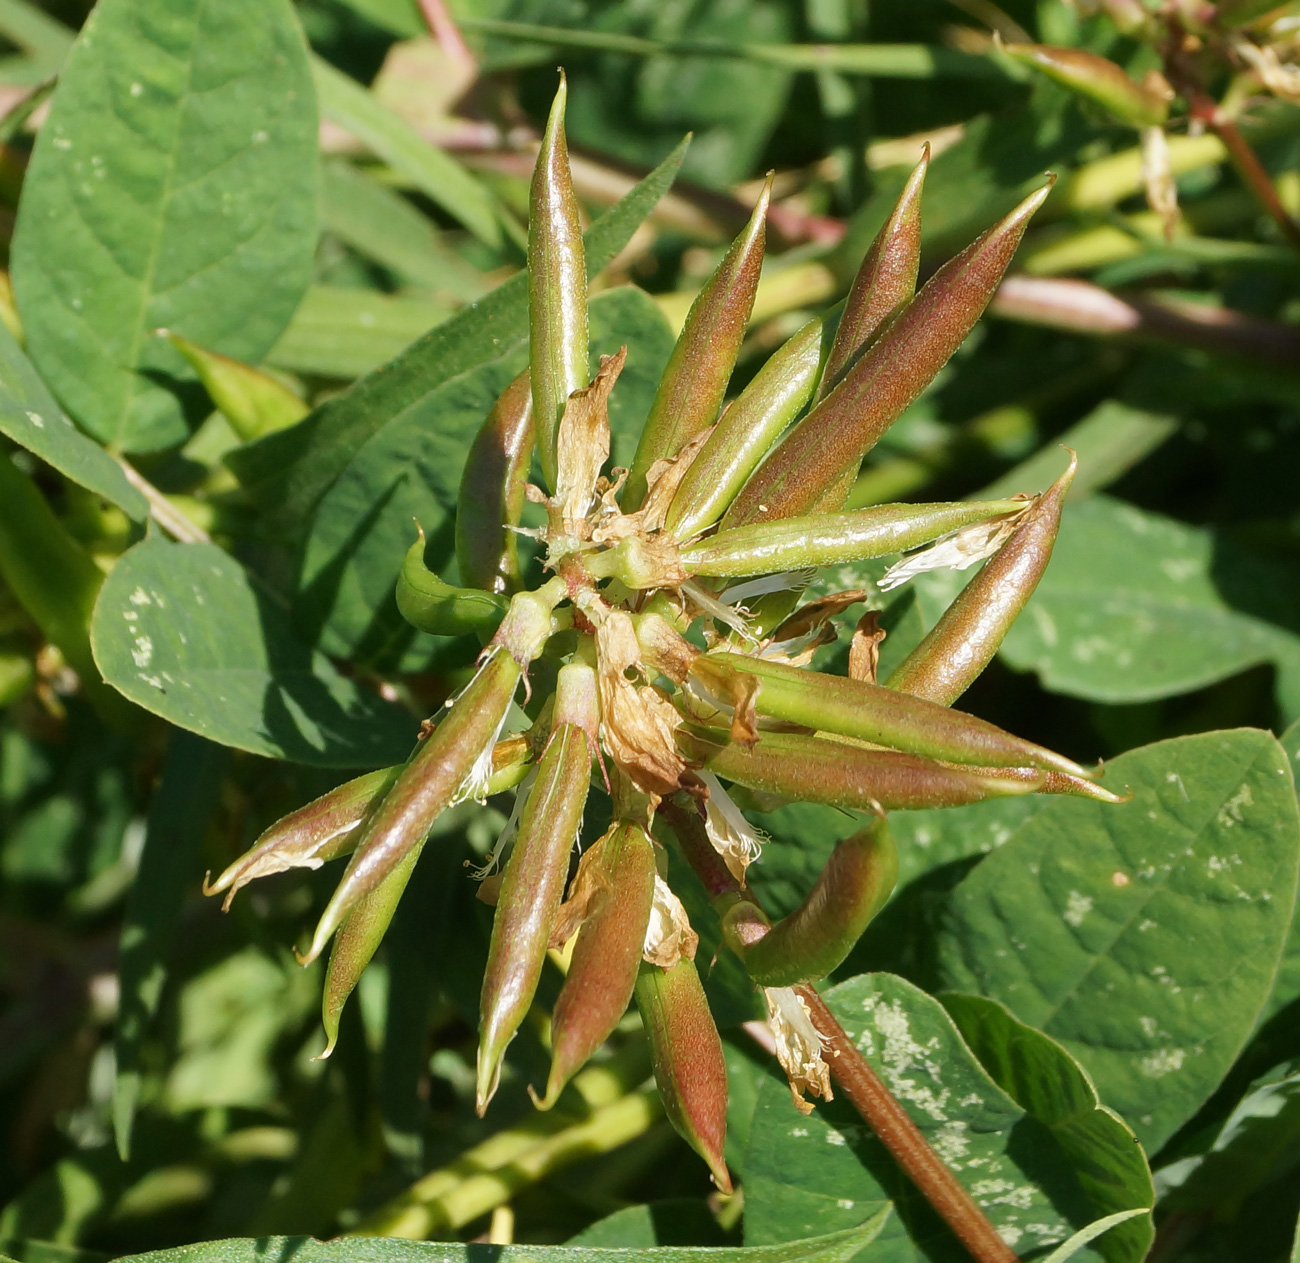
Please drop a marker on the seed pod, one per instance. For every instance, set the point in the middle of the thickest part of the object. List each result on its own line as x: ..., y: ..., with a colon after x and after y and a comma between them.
x: 620, y: 872
x: 557, y: 286
x: 693, y: 385
x: 690, y: 1068
x: 962, y: 643
x: 307, y: 838
x: 492, y: 492
x: 831, y: 539
x: 831, y: 440
x: 745, y: 432
x: 885, y: 282
x: 453, y: 763
x: 1075, y: 786
x: 253, y: 401
x: 531, y: 891
x: 431, y: 605
x: 357, y: 941
x: 815, y: 769
x: 1099, y: 79
x: 816, y: 937
x: 870, y: 712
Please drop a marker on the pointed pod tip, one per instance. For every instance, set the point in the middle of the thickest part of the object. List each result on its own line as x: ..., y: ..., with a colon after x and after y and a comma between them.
x: 487, y: 1078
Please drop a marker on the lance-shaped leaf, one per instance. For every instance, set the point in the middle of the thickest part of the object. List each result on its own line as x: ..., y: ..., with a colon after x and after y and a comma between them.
x: 690, y: 1068
x: 358, y: 940
x: 818, y: 935
x: 307, y: 838
x: 962, y: 643
x: 492, y: 492
x: 616, y: 881
x: 557, y: 286
x: 870, y: 712
x: 435, y: 606
x: 454, y: 762
x: 830, y: 441
x: 695, y: 381
x: 815, y: 769
x: 534, y: 881
x: 885, y: 282
x: 1099, y: 79
x: 832, y: 539
x: 746, y: 431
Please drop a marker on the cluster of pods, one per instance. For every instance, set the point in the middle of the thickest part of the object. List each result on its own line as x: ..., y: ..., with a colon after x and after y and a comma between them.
x: 666, y: 650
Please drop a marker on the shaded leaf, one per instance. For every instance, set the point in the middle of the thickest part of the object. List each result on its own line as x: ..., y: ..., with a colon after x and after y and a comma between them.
x: 1115, y: 928
x: 173, y: 186
x: 182, y: 630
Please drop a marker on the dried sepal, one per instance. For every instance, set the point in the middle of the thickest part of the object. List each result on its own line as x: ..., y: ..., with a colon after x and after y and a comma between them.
x: 798, y: 1046
x: 668, y: 935
x: 735, y: 839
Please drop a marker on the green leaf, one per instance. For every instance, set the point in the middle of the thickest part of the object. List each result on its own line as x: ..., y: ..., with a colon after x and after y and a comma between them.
x: 173, y: 185
x: 401, y: 17
x: 831, y: 1248
x: 28, y: 1251
x: 1136, y: 606
x: 1286, y: 987
x: 1068, y: 1249
x: 295, y: 469
x: 34, y: 31
x: 411, y: 470
x: 677, y: 1221
x: 343, y: 333
x: 390, y: 137
x: 181, y: 630
x: 1045, y: 1080
x: 169, y: 865
x: 1118, y: 929
x: 29, y: 416
x: 810, y: 1174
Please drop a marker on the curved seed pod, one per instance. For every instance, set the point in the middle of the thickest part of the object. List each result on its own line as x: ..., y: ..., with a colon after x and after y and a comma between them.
x: 307, y: 838
x: 885, y: 282
x: 693, y: 385
x: 557, y: 286
x: 453, y: 763
x: 431, y: 605
x: 532, y: 888
x: 619, y: 871
x: 814, y: 769
x: 830, y: 441
x: 871, y: 712
x: 492, y: 492
x: 1099, y: 79
x: 816, y: 937
x: 690, y: 1068
x: 357, y: 941
x: 830, y: 539
x: 746, y: 431
x: 962, y: 643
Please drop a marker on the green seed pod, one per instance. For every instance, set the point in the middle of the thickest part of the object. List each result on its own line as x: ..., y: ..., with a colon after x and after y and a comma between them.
x: 962, y: 643
x: 619, y: 871
x: 885, y: 282
x: 254, y: 402
x: 870, y: 712
x: 357, y: 941
x: 431, y: 605
x: 815, y: 769
x: 453, y: 763
x: 307, y: 838
x: 745, y: 432
x: 816, y: 937
x: 831, y: 539
x: 533, y: 885
x: 831, y: 440
x: 693, y: 385
x: 690, y: 1068
x: 492, y: 492
x: 557, y: 287
x: 1099, y: 79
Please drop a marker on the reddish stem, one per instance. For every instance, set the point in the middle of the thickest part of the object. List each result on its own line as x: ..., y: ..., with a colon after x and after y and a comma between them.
x: 444, y: 29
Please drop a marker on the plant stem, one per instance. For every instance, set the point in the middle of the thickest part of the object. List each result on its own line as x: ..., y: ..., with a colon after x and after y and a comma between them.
x: 901, y: 1136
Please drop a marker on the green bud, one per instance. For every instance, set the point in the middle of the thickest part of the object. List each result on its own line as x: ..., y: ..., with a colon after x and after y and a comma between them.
x: 434, y: 606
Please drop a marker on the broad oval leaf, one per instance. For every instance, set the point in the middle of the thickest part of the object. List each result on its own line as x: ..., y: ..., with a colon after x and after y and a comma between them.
x: 182, y: 630
x: 173, y: 186
x: 1118, y: 929
x: 815, y: 1173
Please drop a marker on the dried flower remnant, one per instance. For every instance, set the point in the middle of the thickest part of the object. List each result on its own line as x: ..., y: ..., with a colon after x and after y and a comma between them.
x: 798, y: 1046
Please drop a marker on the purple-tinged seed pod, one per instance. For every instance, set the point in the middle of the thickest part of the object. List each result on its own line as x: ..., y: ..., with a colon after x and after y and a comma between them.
x: 1099, y: 79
